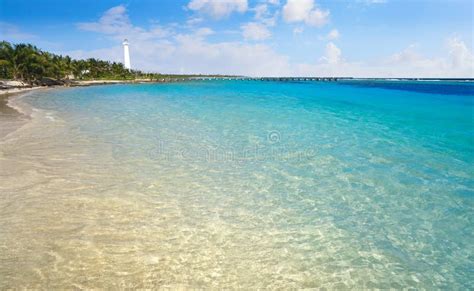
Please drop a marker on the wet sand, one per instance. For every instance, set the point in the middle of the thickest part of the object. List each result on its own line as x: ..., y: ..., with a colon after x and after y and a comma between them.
x: 10, y: 119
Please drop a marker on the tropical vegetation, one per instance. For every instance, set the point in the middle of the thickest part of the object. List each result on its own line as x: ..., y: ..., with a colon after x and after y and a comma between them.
x: 30, y: 64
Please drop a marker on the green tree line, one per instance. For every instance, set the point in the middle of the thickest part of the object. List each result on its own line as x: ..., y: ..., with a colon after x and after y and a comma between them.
x: 28, y: 63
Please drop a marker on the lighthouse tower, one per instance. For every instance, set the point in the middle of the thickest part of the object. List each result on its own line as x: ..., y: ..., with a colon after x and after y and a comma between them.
x: 126, y: 55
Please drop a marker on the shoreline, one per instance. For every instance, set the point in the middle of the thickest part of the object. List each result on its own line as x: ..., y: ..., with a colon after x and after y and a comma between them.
x: 21, y: 89
x: 19, y: 86
x: 15, y: 91
x: 13, y: 118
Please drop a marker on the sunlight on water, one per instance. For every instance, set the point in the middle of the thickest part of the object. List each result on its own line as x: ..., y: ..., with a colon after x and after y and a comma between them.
x: 240, y: 184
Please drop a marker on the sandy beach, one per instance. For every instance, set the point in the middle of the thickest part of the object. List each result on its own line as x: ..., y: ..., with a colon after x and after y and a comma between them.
x: 10, y: 118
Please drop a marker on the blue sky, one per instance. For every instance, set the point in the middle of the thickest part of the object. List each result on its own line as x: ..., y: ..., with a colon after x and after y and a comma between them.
x: 365, y: 38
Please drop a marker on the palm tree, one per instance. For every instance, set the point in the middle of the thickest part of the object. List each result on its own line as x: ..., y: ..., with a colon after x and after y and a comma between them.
x: 8, y: 61
x: 67, y: 66
x: 31, y: 64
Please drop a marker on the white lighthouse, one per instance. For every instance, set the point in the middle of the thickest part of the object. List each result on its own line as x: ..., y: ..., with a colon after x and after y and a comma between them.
x: 126, y: 55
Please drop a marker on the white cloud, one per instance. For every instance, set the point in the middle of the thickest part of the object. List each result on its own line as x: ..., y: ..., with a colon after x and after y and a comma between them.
x: 264, y: 15
x: 458, y: 62
x: 333, y: 54
x: 305, y: 11
x: 218, y: 8
x: 271, y: 20
x: 318, y: 17
x: 194, y: 20
x: 274, y: 2
x: 255, y: 31
x: 261, y: 10
x: 115, y: 22
x: 406, y: 56
x: 297, y: 10
x: 258, y: 29
x: 460, y: 55
x: 204, y: 31
x: 333, y: 35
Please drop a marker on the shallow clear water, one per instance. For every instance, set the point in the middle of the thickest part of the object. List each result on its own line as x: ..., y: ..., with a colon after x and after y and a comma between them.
x: 241, y: 184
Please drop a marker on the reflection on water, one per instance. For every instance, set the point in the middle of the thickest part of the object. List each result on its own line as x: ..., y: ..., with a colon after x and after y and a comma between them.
x: 232, y: 185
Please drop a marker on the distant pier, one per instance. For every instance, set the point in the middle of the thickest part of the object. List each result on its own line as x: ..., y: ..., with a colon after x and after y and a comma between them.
x: 273, y: 79
x: 299, y: 79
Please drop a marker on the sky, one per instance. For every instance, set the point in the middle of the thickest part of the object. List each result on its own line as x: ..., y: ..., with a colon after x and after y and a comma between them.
x: 357, y: 38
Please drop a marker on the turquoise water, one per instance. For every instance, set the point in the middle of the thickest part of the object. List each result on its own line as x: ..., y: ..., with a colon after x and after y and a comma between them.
x: 250, y: 184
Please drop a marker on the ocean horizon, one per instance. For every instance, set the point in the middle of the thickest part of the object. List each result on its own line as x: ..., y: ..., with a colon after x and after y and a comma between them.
x: 240, y: 184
